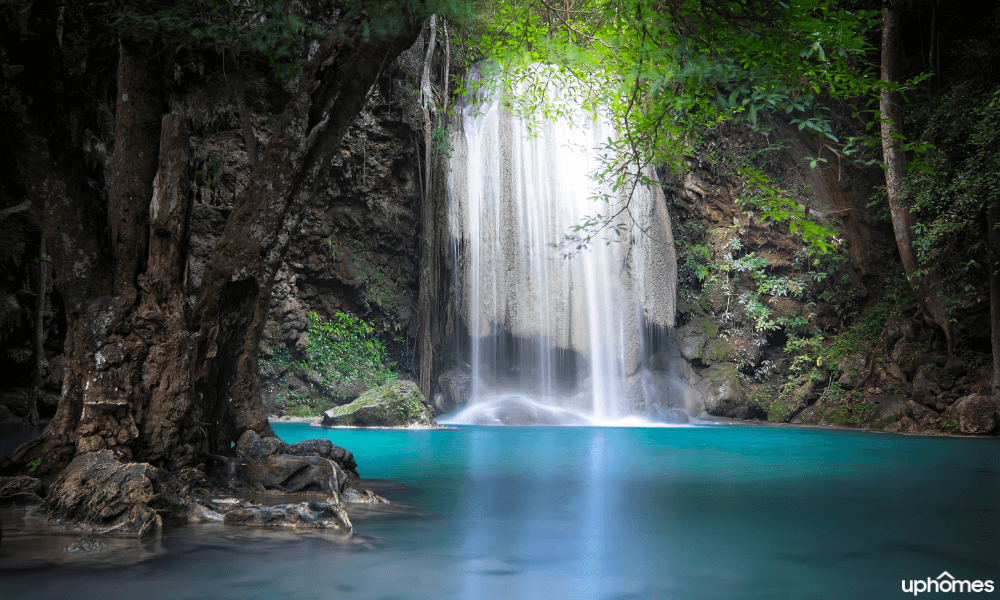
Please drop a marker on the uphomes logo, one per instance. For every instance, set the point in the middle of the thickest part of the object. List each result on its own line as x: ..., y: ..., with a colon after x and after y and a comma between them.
x: 947, y: 584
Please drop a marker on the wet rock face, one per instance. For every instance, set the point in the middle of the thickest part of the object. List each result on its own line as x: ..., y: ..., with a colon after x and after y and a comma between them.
x: 456, y: 389
x: 305, y: 514
x: 266, y: 463
x: 975, y: 414
x: 97, y: 492
x: 256, y: 449
x: 21, y: 492
x: 725, y: 395
x: 396, y: 404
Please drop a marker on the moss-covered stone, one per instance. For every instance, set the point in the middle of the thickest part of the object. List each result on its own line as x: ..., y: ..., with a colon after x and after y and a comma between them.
x: 395, y: 404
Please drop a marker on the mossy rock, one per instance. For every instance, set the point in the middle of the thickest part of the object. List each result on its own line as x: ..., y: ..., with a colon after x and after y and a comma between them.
x: 395, y: 404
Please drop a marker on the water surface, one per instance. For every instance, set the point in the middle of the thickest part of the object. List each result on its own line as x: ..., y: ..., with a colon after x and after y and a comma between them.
x: 586, y: 512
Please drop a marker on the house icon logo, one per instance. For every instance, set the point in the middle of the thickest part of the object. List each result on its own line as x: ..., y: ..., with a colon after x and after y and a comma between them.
x: 946, y: 583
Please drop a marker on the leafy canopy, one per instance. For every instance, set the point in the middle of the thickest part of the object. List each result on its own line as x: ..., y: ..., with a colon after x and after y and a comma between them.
x: 666, y: 72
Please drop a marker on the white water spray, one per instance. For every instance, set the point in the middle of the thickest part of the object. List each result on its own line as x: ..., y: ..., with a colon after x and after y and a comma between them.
x: 555, y: 339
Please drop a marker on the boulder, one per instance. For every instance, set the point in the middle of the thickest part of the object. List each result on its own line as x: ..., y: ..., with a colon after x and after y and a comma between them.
x: 735, y: 349
x: 925, y: 383
x: 852, y: 370
x: 396, y: 404
x: 21, y: 492
x: 901, y: 353
x: 976, y: 414
x: 304, y: 514
x: 893, y: 370
x: 256, y: 449
x: 691, y: 340
x: 99, y: 493
x: 892, y: 407
x: 725, y: 395
x: 456, y: 389
x: 918, y: 412
x: 296, y: 473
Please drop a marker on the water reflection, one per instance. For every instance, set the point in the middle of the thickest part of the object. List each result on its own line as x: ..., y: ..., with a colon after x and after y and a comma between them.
x: 582, y: 512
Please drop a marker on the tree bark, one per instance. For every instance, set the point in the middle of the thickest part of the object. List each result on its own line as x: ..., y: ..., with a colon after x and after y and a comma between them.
x: 150, y: 372
x: 922, y: 284
x: 992, y: 221
x: 39, y: 340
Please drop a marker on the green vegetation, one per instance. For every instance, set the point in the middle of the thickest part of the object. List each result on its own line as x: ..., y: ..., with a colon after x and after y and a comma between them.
x: 35, y: 463
x: 670, y: 80
x: 390, y: 405
x: 342, y: 356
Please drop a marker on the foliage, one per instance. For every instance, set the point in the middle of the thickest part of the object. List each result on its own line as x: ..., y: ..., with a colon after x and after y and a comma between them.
x: 663, y: 78
x: 953, y: 182
x: 269, y: 28
x: 346, y: 349
x: 344, y: 354
x: 35, y: 463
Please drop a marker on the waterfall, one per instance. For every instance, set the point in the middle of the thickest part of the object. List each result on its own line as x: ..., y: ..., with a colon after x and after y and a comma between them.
x: 557, y: 336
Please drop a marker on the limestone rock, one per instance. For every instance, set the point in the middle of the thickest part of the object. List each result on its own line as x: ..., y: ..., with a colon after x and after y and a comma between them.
x: 905, y: 425
x: 396, y: 404
x: 976, y: 414
x: 691, y: 340
x: 296, y: 473
x: 456, y: 388
x: 362, y: 497
x: 852, y: 369
x: 901, y: 353
x: 732, y: 349
x: 918, y: 412
x: 304, y: 514
x: 256, y: 449
x: 925, y: 383
x: 892, y: 407
x: 725, y: 395
x: 97, y: 492
x: 21, y: 492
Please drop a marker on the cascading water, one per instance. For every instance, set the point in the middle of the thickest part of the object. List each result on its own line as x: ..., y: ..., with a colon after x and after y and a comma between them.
x: 555, y: 338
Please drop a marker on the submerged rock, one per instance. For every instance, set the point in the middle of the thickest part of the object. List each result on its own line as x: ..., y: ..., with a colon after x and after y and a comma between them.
x: 396, y: 404
x: 97, y: 492
x: 85, y: 543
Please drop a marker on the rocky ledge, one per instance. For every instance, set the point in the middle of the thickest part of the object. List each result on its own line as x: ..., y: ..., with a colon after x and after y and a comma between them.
x: 395, y: 404
x: 267, y: 484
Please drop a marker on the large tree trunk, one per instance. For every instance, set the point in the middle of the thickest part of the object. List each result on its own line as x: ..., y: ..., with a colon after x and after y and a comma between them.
x: 150, y: 373
x: 993, y: 265
x: 923, y: 285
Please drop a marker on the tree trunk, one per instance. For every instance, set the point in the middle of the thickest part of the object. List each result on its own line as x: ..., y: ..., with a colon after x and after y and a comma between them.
x: 238, y: 90
x: 923, y: 285
x: 992, y: 221
x: 150, y: 373
x: 39, y: 341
